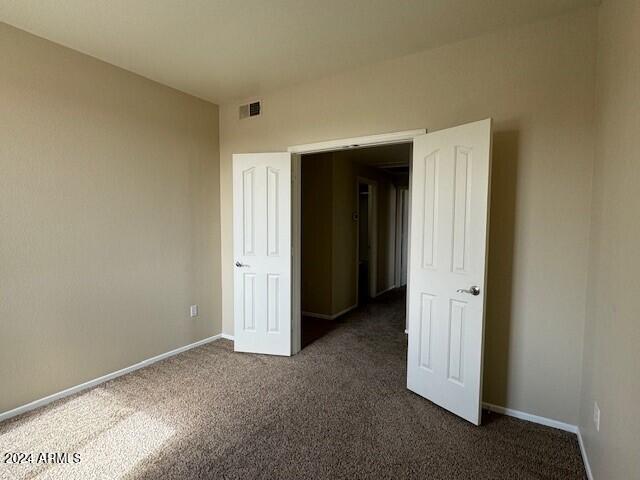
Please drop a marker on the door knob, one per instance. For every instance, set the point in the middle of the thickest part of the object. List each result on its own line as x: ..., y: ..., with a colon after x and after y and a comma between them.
x: 240, y: 265
x: 475, y: 291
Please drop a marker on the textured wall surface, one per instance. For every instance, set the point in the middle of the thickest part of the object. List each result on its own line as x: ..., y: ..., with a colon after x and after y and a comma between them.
x: 612, y: 334
x: 109, y: 218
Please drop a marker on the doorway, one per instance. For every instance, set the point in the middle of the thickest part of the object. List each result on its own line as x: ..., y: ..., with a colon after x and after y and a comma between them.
x: 348, y: 231
x: 446, y: 265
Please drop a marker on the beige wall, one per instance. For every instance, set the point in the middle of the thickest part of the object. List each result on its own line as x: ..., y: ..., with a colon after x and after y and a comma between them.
x: 537, y: 83
x: 345, y: 233
x: 345, y: 229
x: 109, y: 218
x: 317, y: 233
x: 612, y: 334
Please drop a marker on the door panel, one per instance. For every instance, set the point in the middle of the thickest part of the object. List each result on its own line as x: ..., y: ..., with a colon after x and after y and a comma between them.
x: 447, y: 253
x: 262, y: 252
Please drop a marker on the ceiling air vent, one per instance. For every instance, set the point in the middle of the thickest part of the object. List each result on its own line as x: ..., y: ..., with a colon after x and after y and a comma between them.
x: 252, y: 109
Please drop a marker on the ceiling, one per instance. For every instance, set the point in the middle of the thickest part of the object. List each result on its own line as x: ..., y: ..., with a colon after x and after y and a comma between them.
x: 221, y: 50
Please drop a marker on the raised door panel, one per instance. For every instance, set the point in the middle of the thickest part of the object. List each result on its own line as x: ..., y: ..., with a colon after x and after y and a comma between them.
x: 429, y: 208
x: 274, y: 297
x: 426, y: 332
x: 273, y: 211
x: 455, y: 341
x: 248, y: 211
x: 461, y: 234
x: 249, y: 302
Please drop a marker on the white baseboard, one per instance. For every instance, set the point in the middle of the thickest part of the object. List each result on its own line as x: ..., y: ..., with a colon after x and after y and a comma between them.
x: 384, y: 291
x: 323, y: 316
x: 97, y: 381
x: 585, y: 459
x: 329, y: 317
x: 549, y: 422
x: 226, y: 336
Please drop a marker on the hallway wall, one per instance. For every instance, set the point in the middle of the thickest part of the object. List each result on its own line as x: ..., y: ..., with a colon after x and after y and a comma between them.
x: 317, y: 234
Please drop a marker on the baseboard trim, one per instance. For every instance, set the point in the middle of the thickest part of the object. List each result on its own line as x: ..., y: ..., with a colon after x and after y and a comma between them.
x: 384, y: 291
x: 549, y: 422
x: 329, y: 317
x: 585, y: 459
x: 97, y: 381
x: 323, y: 316
x: 226, y: 336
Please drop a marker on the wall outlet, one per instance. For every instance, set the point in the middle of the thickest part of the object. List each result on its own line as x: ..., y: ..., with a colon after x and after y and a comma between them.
x: 193, y: 311
x: 596, y: 415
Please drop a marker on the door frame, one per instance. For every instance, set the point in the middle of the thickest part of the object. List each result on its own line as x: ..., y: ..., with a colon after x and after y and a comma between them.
x: 372, y: 233
x: 297, y: 151
x: 402, y: 194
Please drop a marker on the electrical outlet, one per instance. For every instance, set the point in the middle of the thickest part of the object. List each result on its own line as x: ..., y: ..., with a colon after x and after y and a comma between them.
x: 596, y: 415
x: 193, y: 311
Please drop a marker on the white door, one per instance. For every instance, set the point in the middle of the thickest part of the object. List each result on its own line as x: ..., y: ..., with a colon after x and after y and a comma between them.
x: 447, y: 266
x: 262, y: 252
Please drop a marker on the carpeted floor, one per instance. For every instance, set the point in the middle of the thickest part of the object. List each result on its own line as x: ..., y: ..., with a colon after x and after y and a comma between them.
x: 339, y: 409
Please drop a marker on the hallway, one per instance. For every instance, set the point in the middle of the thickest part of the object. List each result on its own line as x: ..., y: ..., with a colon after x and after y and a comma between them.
x: 315, y: 328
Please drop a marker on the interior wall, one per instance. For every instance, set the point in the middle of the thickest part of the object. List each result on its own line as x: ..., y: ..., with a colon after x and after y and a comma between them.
x: 537, y: 83
x: 612, y: 334
x: 109, y: 218
x: 345, y: 229
x: 345, y: 233
x: 317, y: 233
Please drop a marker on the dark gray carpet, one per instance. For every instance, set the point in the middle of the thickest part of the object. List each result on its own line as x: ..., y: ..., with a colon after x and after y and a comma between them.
x: 339, y: 409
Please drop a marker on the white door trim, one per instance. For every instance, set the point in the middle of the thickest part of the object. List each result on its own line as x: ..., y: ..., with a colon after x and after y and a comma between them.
x: 297, y: 151
x: 401, y: 226
x: 296, y: 253
x: 372, y: 233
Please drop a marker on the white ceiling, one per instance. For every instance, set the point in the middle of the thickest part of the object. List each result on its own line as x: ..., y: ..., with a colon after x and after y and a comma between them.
x: 226, y: 49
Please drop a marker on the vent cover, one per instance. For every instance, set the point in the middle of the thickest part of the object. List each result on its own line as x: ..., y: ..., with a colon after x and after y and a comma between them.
x: 252, y: 109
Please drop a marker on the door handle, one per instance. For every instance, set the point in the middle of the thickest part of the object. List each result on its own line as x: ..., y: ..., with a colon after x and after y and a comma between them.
x: 240, y: 265
x: 475, y: 291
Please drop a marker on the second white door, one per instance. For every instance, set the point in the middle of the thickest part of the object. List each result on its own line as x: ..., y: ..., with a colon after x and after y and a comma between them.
x: 447, y: 266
